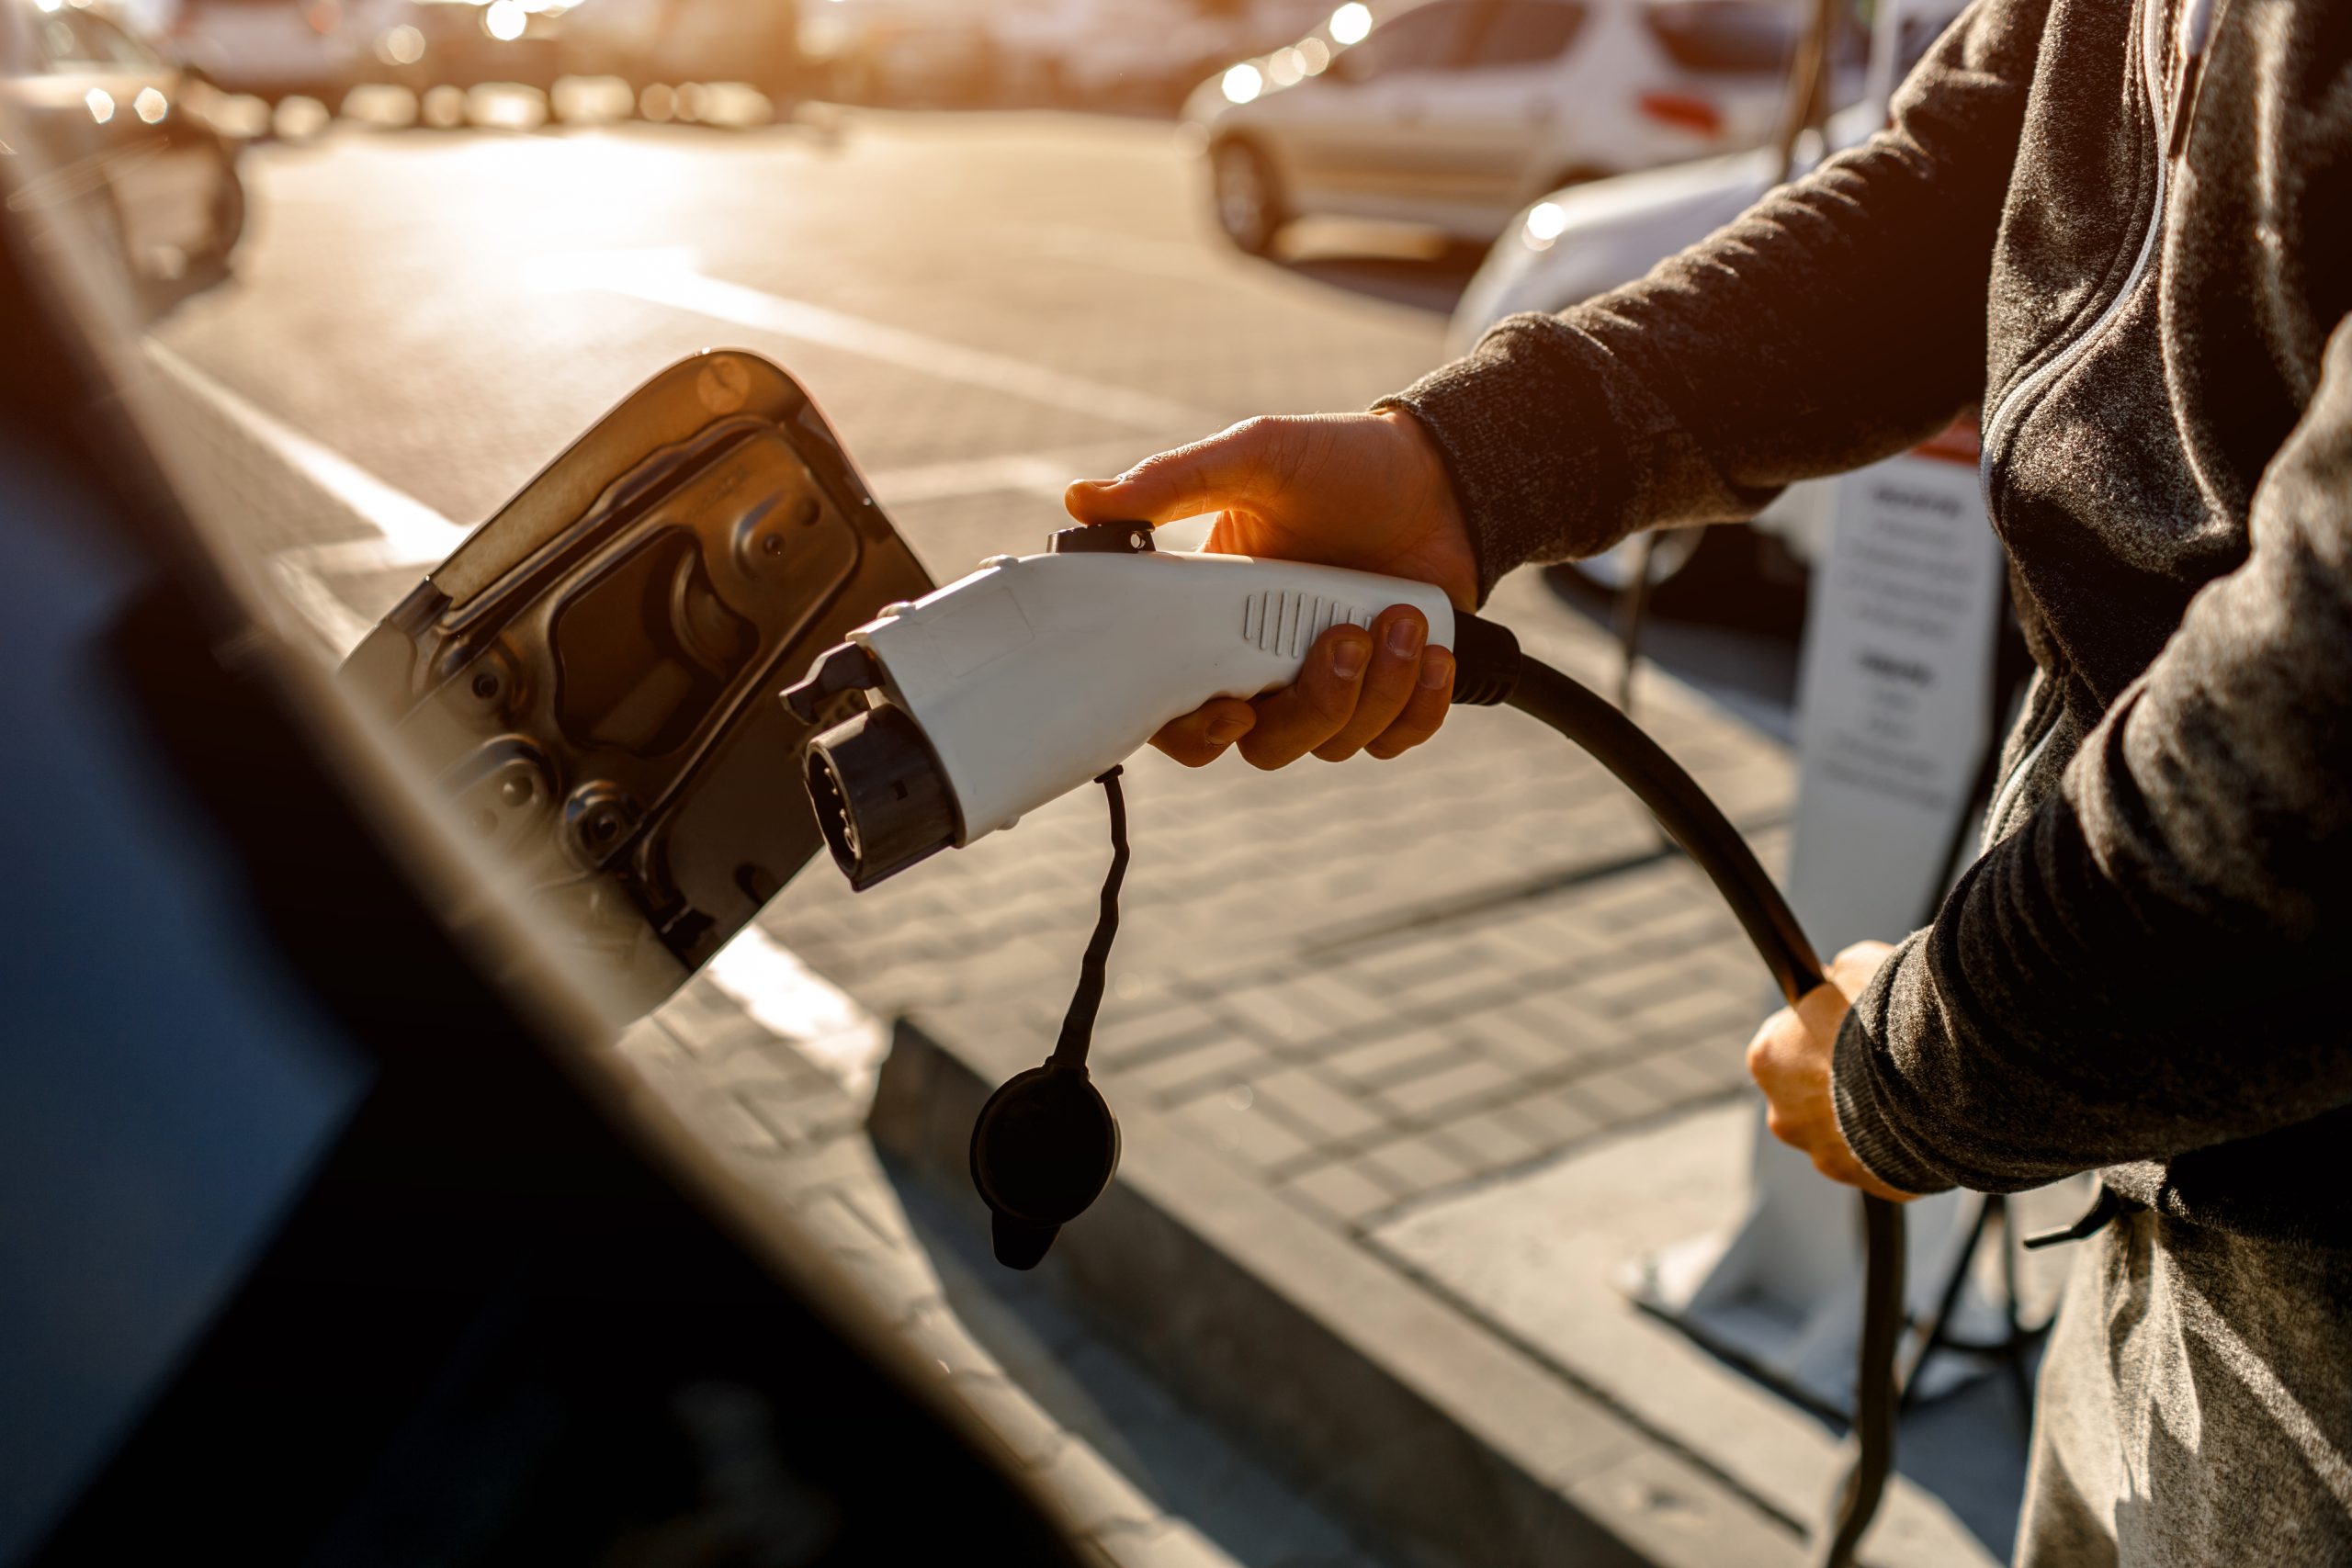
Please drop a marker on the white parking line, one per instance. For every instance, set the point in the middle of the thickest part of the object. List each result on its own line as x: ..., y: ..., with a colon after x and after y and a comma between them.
x: 668, y: 278
x: 407, y: 531
x: 823, y: 1021
x: 411, y: 532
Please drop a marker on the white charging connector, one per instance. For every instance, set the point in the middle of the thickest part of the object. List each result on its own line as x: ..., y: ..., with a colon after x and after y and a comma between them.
x: 1037, y: 673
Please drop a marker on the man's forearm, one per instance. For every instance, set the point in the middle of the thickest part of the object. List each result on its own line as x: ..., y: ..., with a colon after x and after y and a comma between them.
x: 1839, y: 320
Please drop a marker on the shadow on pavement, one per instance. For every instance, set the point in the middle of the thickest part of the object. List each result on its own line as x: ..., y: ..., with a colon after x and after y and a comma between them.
x: 1190, y: 1470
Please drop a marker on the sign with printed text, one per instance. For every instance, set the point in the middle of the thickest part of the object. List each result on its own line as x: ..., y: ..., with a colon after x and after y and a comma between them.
x: 1892, y: 691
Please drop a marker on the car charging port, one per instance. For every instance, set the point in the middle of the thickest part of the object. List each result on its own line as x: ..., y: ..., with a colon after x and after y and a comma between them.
x: 881, y: 797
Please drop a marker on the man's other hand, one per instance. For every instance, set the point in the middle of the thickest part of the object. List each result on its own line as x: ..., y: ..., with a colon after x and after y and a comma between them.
x: 1365, y: 490
x: 1790, y: 1060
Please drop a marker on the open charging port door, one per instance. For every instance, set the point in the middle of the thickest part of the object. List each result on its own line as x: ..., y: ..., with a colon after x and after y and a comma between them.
x: 590, y: 678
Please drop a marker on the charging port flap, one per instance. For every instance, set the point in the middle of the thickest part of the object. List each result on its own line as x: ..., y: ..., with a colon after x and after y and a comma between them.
x: 591, y: 676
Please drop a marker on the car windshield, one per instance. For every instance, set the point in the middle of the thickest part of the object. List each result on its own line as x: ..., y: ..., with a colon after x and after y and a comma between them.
x: 1526, y: 32
x: 1430, y: 37
x: 1738, y: 37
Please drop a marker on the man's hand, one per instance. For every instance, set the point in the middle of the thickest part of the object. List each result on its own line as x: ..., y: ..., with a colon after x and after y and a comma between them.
x: 1790, y: 1060
x: 1366, y: 491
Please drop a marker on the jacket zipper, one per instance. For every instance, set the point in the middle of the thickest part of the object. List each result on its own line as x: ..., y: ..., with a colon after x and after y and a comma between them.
x: 1999, y: 425
x: 2005, y: 799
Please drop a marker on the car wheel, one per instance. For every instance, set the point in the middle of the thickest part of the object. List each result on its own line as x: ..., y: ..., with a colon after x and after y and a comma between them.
x: 1613, y: 567
x: 1249, y: 202
x: 1729, y: 575
x: 228, y: 212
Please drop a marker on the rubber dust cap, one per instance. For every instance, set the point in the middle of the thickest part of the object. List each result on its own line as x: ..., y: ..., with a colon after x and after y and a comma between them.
x: 1043, y: 1149
x: 1020, y: 1246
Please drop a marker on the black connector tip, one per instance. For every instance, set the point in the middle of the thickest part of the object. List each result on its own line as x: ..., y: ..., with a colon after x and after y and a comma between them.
x: 1486, y: 662
x: 1019, y: 1244
x: 880, y: 794
x: 1103, y: 539
x: 844, y: 667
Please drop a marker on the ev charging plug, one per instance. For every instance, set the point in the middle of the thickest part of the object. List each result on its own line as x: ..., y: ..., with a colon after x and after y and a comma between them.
x: 1021, y: 681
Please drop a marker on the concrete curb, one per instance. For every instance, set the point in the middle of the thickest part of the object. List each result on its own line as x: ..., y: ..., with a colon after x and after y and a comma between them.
x: 1462, y: 1448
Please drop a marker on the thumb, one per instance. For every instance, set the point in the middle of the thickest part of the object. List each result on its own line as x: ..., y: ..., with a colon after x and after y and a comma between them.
x: 1226, y: 469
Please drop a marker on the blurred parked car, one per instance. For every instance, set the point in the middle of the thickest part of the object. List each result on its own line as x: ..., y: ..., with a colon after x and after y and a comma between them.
x: 271, y: 49
x: 422, y: 44
x: 1144, y: 52
x: 129, y: 148
x: 1456, y: 113
x: 647, y: 41
x: 884, y: 52
x: 1588, y: 238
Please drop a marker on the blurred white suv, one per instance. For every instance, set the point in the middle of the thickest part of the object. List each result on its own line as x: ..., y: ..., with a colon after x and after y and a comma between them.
x: 1457, y: 113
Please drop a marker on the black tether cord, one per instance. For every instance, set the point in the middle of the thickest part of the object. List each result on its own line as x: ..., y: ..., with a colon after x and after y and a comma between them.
x: 1696, y: 823
x: 1077, y: 1024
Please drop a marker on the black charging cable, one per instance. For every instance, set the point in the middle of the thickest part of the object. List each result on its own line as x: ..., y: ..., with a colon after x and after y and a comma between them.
x: 1491, y: 670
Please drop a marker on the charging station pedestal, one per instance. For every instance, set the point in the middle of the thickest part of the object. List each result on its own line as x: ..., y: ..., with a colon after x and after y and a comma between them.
x: 1892, y: 717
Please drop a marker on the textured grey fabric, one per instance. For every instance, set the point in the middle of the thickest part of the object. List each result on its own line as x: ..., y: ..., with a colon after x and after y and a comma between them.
x: 2141, y: 973
x: 2196, y: 1404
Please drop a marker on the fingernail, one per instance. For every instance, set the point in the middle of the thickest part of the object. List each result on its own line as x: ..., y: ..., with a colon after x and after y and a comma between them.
x: 1347, y: 658
x: 1226, y: 731
x: 1436, y: 670
x: 1405, y: 637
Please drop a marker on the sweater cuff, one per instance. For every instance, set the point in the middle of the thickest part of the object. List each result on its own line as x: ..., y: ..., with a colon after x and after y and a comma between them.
x: 1854, y: 1094
x: 1523, y: 424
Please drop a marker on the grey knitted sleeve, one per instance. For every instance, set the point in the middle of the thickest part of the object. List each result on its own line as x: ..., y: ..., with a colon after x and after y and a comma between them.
x: 2131, y: 974
x: 1839, y: 320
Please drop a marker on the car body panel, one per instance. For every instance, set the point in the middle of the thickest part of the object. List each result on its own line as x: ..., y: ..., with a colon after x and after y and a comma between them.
x: 591, y: 676
x: 271, y: 49
x: 643, y: 41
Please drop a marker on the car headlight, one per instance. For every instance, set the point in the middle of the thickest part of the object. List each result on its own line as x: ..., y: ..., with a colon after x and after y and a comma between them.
x: 1546, y: 222
x: 402, y: 45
